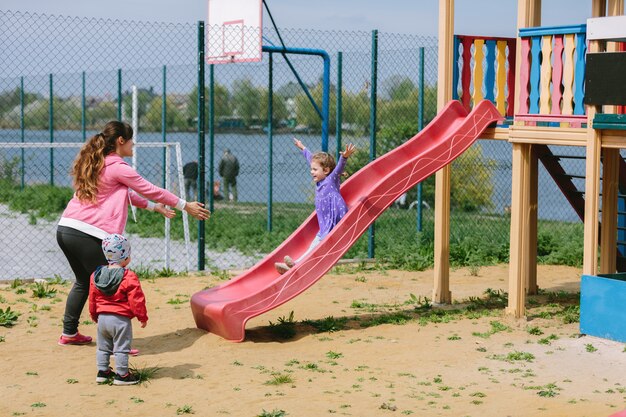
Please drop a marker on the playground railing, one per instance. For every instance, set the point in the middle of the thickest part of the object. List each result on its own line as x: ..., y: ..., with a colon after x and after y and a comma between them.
x: 552, y: 73
x: 485, y: 69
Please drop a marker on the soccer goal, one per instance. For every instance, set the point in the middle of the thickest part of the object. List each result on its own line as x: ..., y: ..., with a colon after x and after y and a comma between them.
x: 169, y: 174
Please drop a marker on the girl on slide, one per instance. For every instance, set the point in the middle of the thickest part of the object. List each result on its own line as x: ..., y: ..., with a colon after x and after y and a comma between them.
x: 329, y: 204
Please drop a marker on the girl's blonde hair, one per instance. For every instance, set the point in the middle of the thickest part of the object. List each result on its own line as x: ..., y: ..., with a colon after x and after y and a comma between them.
x: 325, y: 160
x: 90, y: 160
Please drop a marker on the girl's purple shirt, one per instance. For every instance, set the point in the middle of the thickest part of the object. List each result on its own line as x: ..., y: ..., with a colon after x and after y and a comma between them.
x: 329, y: 204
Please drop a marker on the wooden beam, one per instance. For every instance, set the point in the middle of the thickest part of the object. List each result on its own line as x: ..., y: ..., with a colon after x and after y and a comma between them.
x: 441, y: 289
x: 608, y: 235
x: 524, y: 175
x: 520, y: 216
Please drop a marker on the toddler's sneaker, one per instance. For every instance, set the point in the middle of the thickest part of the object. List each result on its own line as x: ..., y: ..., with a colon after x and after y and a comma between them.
x: 77, y: 339
x: 281, y: 267
x: 133, y: 352
x: 105, y: 376
x: 289, y: 262
x: 128, y: 379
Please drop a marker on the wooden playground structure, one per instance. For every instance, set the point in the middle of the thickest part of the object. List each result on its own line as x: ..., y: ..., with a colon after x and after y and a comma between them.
x: 539, y: 85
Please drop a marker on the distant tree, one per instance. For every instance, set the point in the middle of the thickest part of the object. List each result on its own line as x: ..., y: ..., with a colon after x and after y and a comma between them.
x: 279, y: 107
x: 247, y: 101
x: 101, y: 113
x: 154, y: 116
x: 306, y: 113
x: 144, y: 98
x: 397, y: 87
x: 222, y: 104
x: 356, y: 110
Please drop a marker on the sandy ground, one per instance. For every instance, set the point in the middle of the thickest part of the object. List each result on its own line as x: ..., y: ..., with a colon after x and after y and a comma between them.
x: 446, y: 369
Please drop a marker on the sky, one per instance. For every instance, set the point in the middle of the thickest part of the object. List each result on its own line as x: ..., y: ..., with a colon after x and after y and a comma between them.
x: 415, y: 17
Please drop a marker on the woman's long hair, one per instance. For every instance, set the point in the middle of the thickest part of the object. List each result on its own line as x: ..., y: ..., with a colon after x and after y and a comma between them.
x: 90, y: 160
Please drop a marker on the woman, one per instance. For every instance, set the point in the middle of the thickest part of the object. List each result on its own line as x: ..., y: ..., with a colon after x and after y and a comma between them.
x: 104, y: 185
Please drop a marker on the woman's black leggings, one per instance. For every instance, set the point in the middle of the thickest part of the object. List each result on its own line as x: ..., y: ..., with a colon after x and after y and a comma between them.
x: 84, y: 253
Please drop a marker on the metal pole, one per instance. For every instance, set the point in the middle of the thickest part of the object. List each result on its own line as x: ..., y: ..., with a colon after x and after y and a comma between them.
x: 135, y: 122
x: 51, y: 128
x: 119, y: 94
x: 83, y: 108
x: 371, y: 243
x: 201, y: 133
x: 164, y: 121
x: 211, y: 135
x: 339, y: 117
x: 22, y: 129
x: 270, y: 115
x: 420, y: 126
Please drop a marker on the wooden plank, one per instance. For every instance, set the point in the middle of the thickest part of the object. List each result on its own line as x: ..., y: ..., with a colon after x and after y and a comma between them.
x: 546, y: 75
x: 535, y: 74
x: 557, y: 75
x: 608, y: 235
x: 501, y: 77
x: 478, y: 78
x: 490, y: 70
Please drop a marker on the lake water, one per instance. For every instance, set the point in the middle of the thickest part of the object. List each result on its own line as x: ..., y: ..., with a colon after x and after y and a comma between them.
x: 291, y: 179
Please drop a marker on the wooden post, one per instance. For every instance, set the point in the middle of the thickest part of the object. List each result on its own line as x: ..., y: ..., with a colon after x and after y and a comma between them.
x: 441, y: 289
x: 523, y: 257
x: 610, y: 185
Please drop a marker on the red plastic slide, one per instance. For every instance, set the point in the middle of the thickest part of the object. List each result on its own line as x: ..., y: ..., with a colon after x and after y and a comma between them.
x: 225, y: 309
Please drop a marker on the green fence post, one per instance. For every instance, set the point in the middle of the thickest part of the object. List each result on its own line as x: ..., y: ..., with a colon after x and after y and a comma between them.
x: 371, y: 243
x: 201, y: 133
x: 211, y: 135
x: 83, y: 108
x: 22, y: 130
x: 164, y: 120
x: 270, y: 115
x: 119, y: 95
x: 339, y: 103
x: 420, y: 126
x: 51, y: 128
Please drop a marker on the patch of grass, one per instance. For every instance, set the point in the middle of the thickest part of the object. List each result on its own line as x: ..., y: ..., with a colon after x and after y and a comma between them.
x: 328, y: 324
x: 185, y: 409
x: 590, y: 348
x: 8, y: 317
x: 280, y: 379
x: 285, y: 327
x: 145, y: 374
x: 43, y: 290
x: 536, y: 331
x: 273, y: 413
x: 333, y: 355
x: 547, y: 340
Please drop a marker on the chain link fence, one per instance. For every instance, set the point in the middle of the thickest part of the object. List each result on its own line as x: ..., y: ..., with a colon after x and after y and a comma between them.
x: 63, y: 78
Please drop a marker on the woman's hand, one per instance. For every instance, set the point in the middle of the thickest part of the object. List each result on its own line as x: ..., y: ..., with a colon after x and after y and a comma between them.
x: 165, y: 211
x: 299, y: 144
x: 350, y: 149
x: 197, y: 210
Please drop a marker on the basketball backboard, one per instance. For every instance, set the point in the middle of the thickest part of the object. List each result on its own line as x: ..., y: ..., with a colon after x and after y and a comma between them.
x: 234, y: 31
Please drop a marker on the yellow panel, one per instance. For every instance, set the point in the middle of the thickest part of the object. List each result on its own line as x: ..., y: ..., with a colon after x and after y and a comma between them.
x: 501, y: 77
x: 546, y: 75
x: 568, y: 74
x: 479, y: 56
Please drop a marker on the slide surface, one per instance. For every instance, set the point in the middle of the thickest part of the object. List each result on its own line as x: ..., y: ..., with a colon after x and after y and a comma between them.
x: 225, y: 309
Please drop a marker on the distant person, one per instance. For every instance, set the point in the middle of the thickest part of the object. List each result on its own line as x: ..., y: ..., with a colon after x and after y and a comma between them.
x: 115, y: 298
x: 104, y: 187
x: 229, y: 169
x: 329, y: 204
x: 190, y: 173
x: 217, y: 196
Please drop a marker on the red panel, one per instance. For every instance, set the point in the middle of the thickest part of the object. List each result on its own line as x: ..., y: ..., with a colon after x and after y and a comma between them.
x: 225, y: 309
x: 557, y: 74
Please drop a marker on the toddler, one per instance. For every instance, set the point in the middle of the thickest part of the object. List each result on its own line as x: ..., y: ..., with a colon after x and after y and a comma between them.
x: 115, y: 297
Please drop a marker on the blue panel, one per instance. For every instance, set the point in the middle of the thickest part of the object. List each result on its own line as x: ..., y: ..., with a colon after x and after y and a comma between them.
x: 490, y: 70
x: 456, y: 57
x: 579, y: 74
x: 602, y: 301
x: 552, y: 30
x: 535, y: 67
